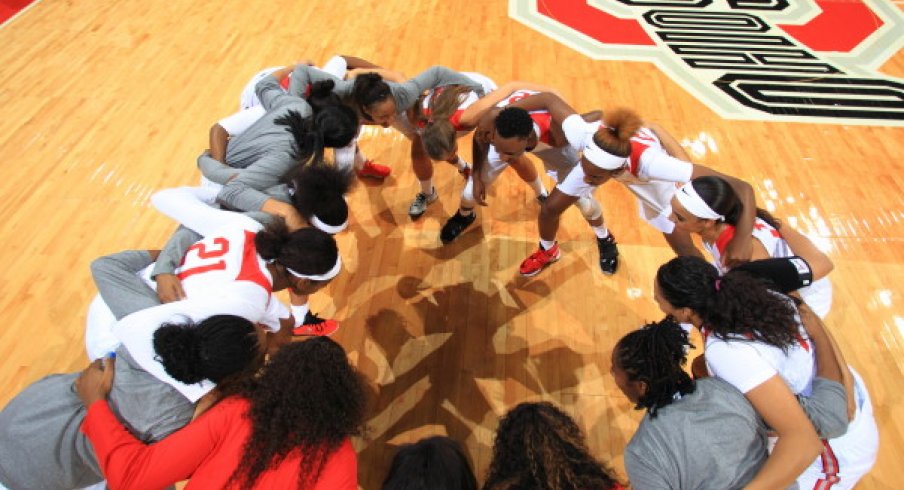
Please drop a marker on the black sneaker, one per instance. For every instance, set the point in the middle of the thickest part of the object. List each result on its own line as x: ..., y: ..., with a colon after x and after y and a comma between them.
x: 542, y: 198
x: 608, y: 254
x: 455, y: 226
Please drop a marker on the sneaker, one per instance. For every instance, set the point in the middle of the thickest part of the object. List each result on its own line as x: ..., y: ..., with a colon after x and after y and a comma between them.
x: 316, y: 326
x: 538, y: 260
x: 465, y: 172
x: 608, y: 254
x: 455, y: 226
x: 374, y: 170
x: 420, y: 203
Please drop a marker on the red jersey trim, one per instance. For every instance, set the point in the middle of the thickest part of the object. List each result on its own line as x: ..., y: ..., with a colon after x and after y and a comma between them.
x: 250, y: 270
x: 724, y: 238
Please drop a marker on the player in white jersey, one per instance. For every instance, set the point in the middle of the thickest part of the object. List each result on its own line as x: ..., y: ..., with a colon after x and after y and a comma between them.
x: 444, y: 114
x: 754, y: 340
x: 647, y: 160
x: 239, y: 263
x: 709, y: 207
x: 503, y: 135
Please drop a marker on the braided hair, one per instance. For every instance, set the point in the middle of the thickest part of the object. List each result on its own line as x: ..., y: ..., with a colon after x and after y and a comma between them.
x: 654, y: 355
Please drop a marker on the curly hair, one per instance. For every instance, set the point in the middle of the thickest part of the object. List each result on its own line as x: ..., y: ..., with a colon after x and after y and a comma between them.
x: 734, y: 304
x: 655, y: 354
x: 538, y: 446
x: 514, y: 122
x: 318, y: 189
x: 722, y: 198
x: 307, y: 401
x: 615, y: 135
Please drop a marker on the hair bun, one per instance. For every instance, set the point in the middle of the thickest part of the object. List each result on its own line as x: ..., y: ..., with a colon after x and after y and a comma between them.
x: 178, y: 347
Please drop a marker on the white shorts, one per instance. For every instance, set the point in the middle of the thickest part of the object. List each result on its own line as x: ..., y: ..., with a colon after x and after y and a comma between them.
x: 846, y: 459
x: 653, y: 197
x: 249, y: 98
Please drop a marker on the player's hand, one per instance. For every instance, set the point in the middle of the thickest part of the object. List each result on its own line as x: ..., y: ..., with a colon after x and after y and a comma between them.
x: 96, y: 381
x: 294, y: 220
x: 480, y: 191
x: 169, y: 288
x: 736, y: 253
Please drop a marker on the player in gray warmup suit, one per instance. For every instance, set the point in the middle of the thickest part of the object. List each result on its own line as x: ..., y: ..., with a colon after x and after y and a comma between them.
x: 386, y: 104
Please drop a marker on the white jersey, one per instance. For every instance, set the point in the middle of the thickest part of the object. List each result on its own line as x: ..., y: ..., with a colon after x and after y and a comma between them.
x: 652, y: 174
x: 746, y: 363
x: 817, y: 295
x: 221, y: 275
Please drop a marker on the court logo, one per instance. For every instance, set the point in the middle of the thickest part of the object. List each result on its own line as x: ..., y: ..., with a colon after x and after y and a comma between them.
x: 800, y: 60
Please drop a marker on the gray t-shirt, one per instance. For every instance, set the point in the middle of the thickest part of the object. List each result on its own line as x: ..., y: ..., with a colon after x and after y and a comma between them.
x: 711, y: 438
x: 714, y: 439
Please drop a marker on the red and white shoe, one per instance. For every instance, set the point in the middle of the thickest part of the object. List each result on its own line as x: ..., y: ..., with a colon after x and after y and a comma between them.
x: 374, y: 170
x: 314, y: 326
x: 538, y: 260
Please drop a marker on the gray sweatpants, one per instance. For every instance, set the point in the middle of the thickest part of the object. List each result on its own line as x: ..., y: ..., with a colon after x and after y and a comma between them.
x: 41, y: 446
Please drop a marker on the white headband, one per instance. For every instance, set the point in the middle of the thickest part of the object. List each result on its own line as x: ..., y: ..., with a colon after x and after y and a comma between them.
x: 331, y: 229
x: 321, y: 277
x: 694, y: 204
x: 600, y: 157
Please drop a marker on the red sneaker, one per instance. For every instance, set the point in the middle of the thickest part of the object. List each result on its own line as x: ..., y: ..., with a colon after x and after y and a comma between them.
x: 374, y: 170
x: 538, y: 260
x: 314, y: 326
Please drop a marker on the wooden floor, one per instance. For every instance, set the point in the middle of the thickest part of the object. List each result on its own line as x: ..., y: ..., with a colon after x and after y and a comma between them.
x: 105, y: 102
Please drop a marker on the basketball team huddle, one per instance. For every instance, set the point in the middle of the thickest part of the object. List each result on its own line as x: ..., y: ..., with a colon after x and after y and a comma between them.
x: 217, y: 381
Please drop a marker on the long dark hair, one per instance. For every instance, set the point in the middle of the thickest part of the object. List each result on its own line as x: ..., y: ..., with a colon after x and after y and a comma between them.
x: 307, y: 251
x: 333, y: 126
x: 319, y: 189
x: 721, y: 198
x: 434, y: 463
x: 308, y: 401
x: 730, y: 305
x: 539, y: 446
x: 655, y: 354
x: 369, y: 89
x: 216, y: 348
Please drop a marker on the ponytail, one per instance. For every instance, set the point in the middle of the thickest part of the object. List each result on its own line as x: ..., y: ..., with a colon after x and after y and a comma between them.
x: 214, y: 349
x: 615, y: 136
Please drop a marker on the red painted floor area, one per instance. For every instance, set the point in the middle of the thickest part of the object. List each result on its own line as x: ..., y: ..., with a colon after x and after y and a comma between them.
x: 9, y: 8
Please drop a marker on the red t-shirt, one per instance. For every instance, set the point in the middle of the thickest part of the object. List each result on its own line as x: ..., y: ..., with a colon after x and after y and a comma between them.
x: 207, y: 451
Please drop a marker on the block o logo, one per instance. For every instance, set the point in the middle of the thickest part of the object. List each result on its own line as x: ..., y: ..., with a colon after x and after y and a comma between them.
x: 806, y: 60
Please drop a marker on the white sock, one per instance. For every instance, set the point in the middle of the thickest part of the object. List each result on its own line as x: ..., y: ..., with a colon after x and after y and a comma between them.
x: 547, y: 244
x: 298, y: 313
x: 427, y: 187
x: 360, y: 158
x: 537, y: 186
x: 601, y: 231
